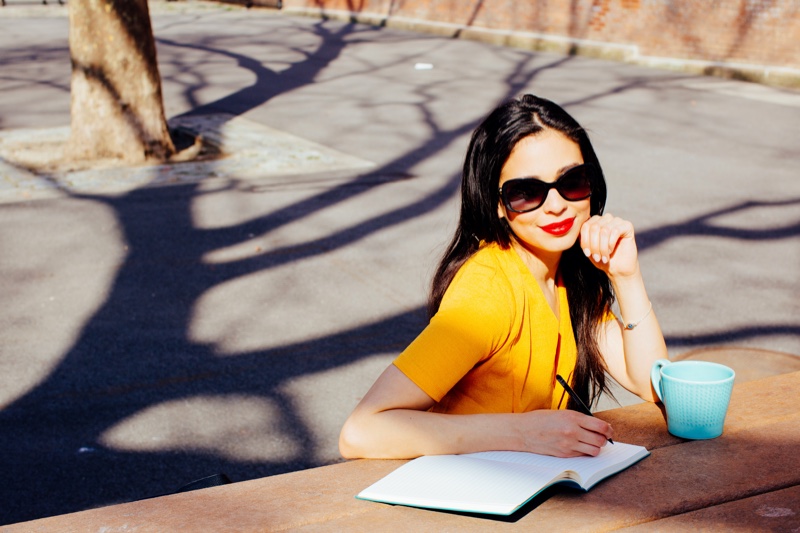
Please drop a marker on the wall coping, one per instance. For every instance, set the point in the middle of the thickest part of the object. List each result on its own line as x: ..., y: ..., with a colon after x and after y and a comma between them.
x: 626, y: 53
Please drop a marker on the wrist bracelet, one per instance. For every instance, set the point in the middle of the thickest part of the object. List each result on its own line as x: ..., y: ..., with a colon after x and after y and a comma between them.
x: 634, y: 324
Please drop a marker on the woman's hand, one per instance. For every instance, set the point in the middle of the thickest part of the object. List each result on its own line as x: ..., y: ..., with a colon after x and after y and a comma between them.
x: 563, y: 433
x: 609, y: 242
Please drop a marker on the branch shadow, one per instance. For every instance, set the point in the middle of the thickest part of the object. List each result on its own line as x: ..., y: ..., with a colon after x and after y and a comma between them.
x: 704, y: 226
x: 136, y: 351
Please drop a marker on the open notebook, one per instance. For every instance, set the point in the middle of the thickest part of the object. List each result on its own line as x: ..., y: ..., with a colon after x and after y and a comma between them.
x: 494, y: 482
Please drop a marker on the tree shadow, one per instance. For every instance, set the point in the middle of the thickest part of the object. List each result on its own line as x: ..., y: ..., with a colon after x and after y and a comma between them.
x: 136, y: 351
x: 704, y: 226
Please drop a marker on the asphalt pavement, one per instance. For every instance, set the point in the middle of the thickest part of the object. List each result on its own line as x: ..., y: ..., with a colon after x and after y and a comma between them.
x: 159, y: 325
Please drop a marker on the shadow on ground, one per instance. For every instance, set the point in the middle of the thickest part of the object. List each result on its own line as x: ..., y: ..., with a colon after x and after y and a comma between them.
x: 136, y: 351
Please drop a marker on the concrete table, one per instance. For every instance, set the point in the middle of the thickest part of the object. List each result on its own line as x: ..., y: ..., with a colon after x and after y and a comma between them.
x: 749, y: 478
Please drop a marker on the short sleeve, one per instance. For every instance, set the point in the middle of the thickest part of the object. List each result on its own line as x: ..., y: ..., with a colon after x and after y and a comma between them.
x: 472, y: 322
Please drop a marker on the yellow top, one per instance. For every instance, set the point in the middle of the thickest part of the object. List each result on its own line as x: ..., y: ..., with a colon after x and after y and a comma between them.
x: 495, y: 345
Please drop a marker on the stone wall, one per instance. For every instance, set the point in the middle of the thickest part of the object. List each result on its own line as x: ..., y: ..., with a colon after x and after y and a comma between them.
x: 745, y: 38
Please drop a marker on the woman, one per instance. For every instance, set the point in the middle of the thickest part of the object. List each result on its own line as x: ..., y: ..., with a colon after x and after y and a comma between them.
x: 523, y: 293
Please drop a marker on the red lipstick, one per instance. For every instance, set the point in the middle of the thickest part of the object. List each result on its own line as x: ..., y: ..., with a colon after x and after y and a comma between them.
x: 559, y: 228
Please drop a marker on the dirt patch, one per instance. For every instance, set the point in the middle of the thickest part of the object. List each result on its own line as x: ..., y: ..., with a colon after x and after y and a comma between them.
x: 42, y: 152
x: 212, y: 146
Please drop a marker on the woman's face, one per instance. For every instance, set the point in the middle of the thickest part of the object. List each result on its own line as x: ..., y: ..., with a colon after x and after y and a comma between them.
x: 556, y: 224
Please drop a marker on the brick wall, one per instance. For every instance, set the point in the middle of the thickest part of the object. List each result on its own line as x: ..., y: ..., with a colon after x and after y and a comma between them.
x: 759, y: 33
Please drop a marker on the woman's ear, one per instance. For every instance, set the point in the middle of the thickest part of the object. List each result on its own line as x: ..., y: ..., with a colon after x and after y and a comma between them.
x: 501, y: 211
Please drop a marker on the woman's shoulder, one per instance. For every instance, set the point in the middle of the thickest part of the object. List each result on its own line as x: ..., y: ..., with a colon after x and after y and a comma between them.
x: 491, y: 266
x: 482, y: 287
x: 491, y: 253
x: 493, y: 258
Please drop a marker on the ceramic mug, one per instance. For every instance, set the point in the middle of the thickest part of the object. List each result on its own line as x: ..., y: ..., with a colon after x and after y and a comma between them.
x: 695, y: 394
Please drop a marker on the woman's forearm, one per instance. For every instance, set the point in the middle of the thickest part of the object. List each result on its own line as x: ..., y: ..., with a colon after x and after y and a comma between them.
x: 407, y: 433
x: 393, y: 421
x: 642, y: 339
x: 404, y: 434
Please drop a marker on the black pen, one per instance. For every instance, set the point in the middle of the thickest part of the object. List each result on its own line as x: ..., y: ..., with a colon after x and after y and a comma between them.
x: 574, y: 396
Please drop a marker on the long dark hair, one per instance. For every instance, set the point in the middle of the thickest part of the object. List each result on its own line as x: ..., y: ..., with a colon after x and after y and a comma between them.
x: 588, y: 290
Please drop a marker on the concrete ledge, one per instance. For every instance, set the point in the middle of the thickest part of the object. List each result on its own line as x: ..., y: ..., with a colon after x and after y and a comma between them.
x: 749, y: 364
x: 773, y: 511
x: 764, y: 74
x: 743, y: 478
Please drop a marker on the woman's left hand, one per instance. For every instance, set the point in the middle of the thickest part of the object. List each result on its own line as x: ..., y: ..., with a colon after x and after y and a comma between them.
x: 609, y: 242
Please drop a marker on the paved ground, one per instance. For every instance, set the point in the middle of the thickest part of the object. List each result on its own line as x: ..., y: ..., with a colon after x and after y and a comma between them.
x: 228, y: 316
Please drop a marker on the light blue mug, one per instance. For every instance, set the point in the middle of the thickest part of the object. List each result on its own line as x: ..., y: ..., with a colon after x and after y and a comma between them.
x: 696, y: 395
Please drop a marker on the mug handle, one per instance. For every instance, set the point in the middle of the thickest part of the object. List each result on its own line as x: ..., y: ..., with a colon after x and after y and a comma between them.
x: 655, y: 376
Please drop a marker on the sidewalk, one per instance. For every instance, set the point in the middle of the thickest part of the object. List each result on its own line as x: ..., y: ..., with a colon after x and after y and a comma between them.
x: 161, y: 325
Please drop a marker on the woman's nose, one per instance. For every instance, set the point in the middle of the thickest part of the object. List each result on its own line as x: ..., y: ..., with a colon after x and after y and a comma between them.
x: 554, y: 202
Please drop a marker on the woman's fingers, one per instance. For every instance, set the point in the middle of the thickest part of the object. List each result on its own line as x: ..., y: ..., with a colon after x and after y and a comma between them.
x: 564, y: 433
x: 601, y: 235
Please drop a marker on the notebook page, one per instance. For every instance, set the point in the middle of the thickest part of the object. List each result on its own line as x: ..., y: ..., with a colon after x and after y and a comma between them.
x: 612, y: 457
x: 460, y: 483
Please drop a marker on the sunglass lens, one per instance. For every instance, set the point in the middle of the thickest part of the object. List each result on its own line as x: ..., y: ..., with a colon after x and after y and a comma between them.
x: 576, y: 184
x: 525, y: 195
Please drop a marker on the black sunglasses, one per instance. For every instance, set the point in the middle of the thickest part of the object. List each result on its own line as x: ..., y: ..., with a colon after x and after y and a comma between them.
x: 521, y: 195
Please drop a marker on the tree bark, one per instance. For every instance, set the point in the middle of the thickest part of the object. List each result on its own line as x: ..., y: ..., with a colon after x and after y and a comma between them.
x: 116, y: 107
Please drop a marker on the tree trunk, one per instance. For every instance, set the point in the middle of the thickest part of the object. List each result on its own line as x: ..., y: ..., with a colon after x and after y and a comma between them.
x: 116, y: 106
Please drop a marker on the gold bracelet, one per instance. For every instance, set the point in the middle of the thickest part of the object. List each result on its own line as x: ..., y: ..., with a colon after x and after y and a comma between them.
x: 634, y: 324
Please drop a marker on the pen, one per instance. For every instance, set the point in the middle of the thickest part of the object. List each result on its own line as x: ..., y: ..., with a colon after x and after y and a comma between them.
x: 574, y: 396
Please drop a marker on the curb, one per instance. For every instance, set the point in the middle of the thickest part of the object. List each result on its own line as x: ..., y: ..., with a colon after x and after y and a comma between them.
x: 784, y: 77
x: 767, y: 75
